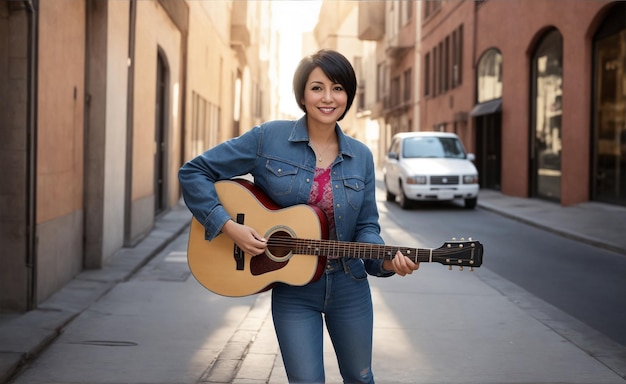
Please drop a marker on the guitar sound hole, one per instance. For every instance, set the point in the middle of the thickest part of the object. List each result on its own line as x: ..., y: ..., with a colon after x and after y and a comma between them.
x: 277, y: 249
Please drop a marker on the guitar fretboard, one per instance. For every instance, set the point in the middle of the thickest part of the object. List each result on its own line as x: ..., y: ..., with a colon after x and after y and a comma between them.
x: 333, y: 248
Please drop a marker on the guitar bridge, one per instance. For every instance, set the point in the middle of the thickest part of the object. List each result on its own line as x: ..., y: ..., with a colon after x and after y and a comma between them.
x: 238, y: 254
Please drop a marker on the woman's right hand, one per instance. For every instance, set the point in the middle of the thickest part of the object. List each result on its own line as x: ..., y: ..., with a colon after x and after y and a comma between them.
x: 246, y: 238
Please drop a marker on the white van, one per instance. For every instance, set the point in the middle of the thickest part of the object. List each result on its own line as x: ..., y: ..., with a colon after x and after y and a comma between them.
x: 429, y: 166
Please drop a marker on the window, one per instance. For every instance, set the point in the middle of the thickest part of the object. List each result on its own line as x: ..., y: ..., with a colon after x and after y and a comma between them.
x: 407, y: 85
x: 360, y: 91
x: 395, y: 91
x: 360, y: 98
x: 457, y: 64
x: 547, y: 81
x: 446, y: 64
x: 381, y: 82
x: 453, y: 67
x: 406, y: 12
x: 445, y: 71
x: 433, y: 147
x: 435, y: 72
x: 204, y: 125
x: 442, y: 71
x: 489, y: 76
x: 430, y: 7
x: 427, y: 74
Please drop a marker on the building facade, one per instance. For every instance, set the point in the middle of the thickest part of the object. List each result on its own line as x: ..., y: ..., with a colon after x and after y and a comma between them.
x: 100, y: 104
x: 394, y: 28
x: 544, y: 112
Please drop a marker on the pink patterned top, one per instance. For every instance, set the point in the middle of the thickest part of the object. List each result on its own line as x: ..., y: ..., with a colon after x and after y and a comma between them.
x: 322, y: 196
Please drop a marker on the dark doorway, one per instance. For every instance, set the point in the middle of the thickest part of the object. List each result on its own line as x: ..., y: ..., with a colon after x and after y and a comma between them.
x: 489, y: 150
x: 160, y: 150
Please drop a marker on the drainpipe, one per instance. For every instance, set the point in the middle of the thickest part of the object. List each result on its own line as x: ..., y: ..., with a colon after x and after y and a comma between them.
x: 128, y: 193
x: 31, y: 153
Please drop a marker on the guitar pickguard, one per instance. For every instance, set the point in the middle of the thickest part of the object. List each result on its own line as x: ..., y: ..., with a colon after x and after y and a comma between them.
x: 261, y: 264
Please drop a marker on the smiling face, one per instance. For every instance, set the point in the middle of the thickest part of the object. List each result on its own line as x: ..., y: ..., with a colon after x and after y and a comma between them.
x: 324, y: 100
x: 330, y: 65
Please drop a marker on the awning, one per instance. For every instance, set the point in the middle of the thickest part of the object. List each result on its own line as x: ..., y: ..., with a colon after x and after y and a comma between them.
x: 486, y: 108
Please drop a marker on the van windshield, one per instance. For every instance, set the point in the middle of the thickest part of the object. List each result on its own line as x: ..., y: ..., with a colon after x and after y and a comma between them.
x: 446, y: 147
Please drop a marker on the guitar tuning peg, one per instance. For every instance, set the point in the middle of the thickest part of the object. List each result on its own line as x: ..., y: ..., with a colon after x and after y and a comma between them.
x: 449, y: 267
x: 461, y: 268
x: 471, y: 269
x: 462, y: 239
x: 454, y: 239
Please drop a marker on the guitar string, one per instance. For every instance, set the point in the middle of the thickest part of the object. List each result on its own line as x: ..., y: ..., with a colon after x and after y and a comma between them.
x: 337, y: 244
x: 331, y: 246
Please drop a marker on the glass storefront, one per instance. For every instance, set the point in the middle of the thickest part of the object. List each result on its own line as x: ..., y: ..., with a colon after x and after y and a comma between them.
x: 609, y: 107
x: 547, y: 81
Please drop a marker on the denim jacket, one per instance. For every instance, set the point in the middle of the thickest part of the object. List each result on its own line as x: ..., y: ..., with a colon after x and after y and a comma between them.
x: 279, y: 157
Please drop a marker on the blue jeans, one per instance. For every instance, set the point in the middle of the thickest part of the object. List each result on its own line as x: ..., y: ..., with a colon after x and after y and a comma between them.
x: 343, y: 296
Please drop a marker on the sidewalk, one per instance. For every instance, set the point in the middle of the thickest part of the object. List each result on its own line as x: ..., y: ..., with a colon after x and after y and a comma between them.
x: 23, y: 337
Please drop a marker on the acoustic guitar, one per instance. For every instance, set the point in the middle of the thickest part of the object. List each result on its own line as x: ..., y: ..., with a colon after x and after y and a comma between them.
x: 297, y: 246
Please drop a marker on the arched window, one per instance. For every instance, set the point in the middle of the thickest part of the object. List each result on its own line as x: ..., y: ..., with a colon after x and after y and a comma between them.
x: 489, y: 76
x: 547, y: 81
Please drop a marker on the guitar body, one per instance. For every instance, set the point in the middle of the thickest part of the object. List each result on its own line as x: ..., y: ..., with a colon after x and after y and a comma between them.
x: 214, y: 263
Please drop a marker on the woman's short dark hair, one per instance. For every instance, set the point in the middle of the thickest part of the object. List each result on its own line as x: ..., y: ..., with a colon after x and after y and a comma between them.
x: 334, y: 65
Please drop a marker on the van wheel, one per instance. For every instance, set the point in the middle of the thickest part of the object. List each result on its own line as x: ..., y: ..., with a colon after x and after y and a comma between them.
x: 471, y: 203
x: 403, y: 201
x: 389, y: 196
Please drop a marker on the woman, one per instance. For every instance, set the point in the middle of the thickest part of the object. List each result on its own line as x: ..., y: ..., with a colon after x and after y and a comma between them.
x: 309, y: 161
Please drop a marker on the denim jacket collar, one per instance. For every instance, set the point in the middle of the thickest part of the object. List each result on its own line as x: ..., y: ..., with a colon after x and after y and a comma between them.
x: 300, y: 133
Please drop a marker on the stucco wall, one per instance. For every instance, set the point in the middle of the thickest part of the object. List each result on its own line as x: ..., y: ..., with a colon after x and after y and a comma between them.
x: 60, y: 142
x: 13, y: 156
x: 210, y: 67
x: 154, y: 31
x: 115, y: 126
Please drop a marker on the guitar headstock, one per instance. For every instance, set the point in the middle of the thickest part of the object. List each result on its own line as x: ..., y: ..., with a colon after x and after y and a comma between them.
x: 462, y: 253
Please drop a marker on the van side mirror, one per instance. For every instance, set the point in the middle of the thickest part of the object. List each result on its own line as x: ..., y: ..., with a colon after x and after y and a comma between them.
x: 471, y: 157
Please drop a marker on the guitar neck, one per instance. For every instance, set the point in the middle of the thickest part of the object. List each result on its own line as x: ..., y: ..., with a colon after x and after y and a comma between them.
x: 335, y: 248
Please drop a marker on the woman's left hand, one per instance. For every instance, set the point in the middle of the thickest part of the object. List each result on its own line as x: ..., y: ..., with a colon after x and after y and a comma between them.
x: 401, y: 265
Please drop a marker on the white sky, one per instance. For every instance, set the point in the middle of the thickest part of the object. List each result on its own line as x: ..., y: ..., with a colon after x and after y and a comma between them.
x: 292, y: 18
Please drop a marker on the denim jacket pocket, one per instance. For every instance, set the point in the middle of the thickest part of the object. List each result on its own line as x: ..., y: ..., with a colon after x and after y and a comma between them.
x: 354, y: 188
x: 280, y: 176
